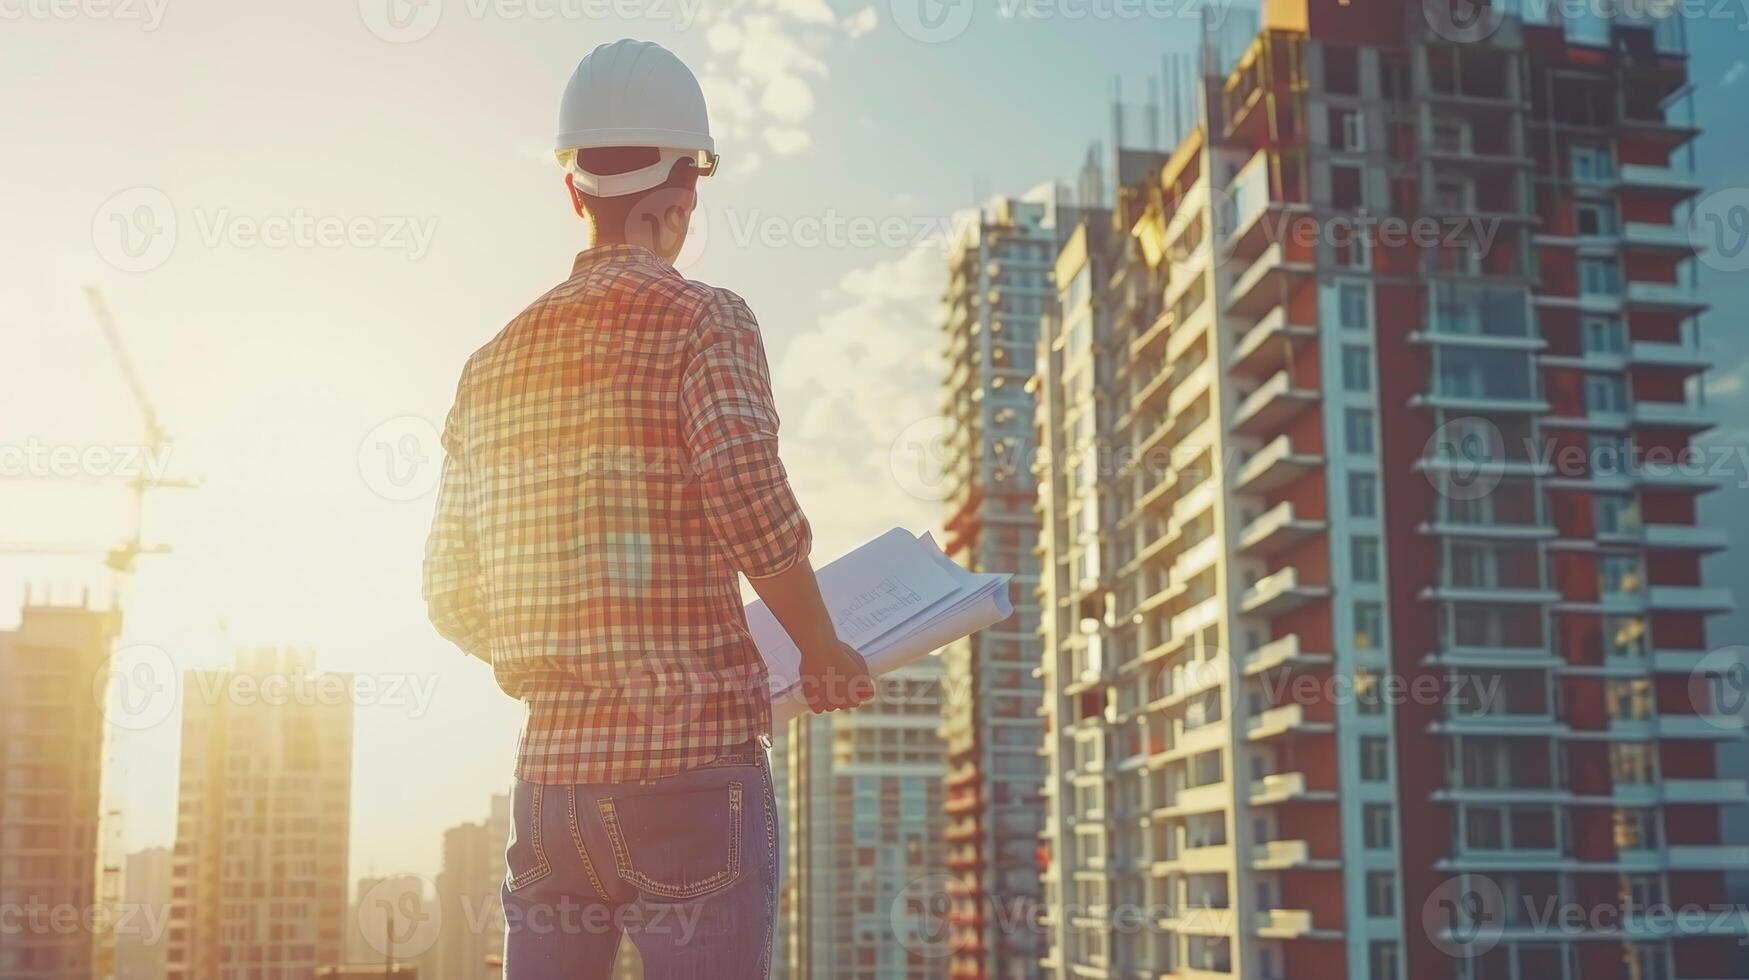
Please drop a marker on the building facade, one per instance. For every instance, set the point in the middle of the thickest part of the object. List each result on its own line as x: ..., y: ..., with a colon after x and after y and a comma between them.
x: 51, y: 759
x: 861, y: 840
x: 470, y: 904
x: 998, y: 291
x: 259, y: 875
x: 1396, y: 636
x: 140, y: 949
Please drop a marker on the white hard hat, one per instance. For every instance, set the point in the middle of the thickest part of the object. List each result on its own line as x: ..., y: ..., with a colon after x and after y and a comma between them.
x: 633, y: 93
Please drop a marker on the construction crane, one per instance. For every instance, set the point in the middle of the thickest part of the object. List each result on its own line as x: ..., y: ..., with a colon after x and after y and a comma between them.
x: 123, y: 557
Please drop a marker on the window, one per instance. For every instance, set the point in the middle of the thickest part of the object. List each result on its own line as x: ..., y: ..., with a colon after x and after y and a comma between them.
x: 1351, y: 311
x: 1606, y: 394
x: 1619, y: 574
x: 1363, y: 495
x: 1346, y: 187
x: 1365, y: 558
x: 1356, y: 368
x: 1347, y: 131
x: 1636, y: 830
x: 1594, y: 217
x: 1624, y: 636
x: 1599, y: 277
x: 1341, y: 69
x: 1375, y: 759
x: 1357, y: 431
x: 1376, y: 826
x: 1629, y: 698
x: 1616, y: 513
x: 1369, y: 626
x: 1592, y: 164
x: 1350, y: 252
x: 1451, y: 137
x: 1604, y: 335
x: 1384, y: 962
x: 1451, y: 195
x: 1381, y: 894
x: 1632, y: 763
x: 1368, y: 698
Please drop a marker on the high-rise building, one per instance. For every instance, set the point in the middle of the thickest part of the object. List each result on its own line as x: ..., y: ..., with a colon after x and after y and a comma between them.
x: 470, y: 905
x: 393, y: 922
x: 51, y: 757
x: 997, y: 292
x: 259, y: 876
x: 862, y: 835
x: 1378, y: 635
x: 140, y: 947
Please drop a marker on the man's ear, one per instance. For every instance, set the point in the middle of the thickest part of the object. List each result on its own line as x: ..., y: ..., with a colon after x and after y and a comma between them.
x: 576, y: 195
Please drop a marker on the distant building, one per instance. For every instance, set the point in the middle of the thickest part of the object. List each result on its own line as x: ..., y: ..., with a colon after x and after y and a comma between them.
x: 999, y: 290
x: 262, y: 832
x: 469, y: 903
x: 862, y: 830
x: 393, y: 921
x: 51, y: 756
x: 139, y: 950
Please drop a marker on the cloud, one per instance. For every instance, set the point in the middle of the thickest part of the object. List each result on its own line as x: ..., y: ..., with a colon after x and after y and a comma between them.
x: 765, y: 59
x: 868, y: 370
x: 862, y: 22
x: 1734, y: 73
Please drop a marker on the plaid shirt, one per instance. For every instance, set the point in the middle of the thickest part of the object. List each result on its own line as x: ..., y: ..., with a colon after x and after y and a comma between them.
x: 611, y: 464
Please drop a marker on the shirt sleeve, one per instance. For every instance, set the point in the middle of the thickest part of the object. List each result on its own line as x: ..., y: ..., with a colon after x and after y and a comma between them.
x: 730, y: 429
x: 451, y: 586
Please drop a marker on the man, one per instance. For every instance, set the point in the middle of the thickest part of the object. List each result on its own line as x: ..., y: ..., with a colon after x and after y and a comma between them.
x: 611, y: 466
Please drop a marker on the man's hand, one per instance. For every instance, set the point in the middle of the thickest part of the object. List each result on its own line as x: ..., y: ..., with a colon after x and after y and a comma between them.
x: 835, y: 676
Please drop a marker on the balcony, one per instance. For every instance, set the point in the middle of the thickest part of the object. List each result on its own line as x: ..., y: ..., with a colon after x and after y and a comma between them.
x: 1284, y: 720
x: 1263, y: 349
x: 1264, y: 282
x: 1274, y: 403
x: 1709, y: 791
x: 1706, y: 857
x: 1671, y: 415
x: 1274, y: 466
x: 1283, y: 855
x: 1286, y: 787
x: 1667, y: 181
x: 1643, y: 353
x: 1690, y: 598
x: 1278, y: 593
x: 1283, y: 652
x: 1275, y: 529
x: 1651, y: 237
x: 1688, y: 537
x: 1666, y: 297
x: 1207, y: 798
x: 1289, y: 924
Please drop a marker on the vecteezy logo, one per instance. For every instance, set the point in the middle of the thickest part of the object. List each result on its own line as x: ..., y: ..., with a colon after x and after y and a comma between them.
x: 1465, y: 458
x: 136, y: 687
x: 919, y: 917
x: 1719, y: 229
x: 394, y: 919
x: 401, y: 21
x: 932, y: 21
x: 672, y: 223
x: 919, y: 458
x: 1718, y: 688
x: 1465, y: 916
x: 135, y: 230
x: 1464, y: 21
x: 401, y: 459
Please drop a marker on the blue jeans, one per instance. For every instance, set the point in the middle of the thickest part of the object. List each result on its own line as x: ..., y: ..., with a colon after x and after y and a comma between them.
x: 685, y: 866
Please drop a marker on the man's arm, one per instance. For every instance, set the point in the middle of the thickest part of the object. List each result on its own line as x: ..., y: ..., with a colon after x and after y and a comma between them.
x: 730, y: 428
x: 452, y: 567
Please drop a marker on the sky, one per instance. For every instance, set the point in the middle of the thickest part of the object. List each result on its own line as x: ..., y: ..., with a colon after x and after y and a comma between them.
x: 306, y: 216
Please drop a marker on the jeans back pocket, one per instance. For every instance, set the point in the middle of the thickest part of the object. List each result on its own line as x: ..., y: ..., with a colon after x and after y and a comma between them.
x: 525, y: 858
x: 680, y: 845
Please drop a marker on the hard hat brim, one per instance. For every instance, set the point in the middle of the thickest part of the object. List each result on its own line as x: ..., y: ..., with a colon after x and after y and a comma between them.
x: 634, y: 181
x: 589, y: 139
